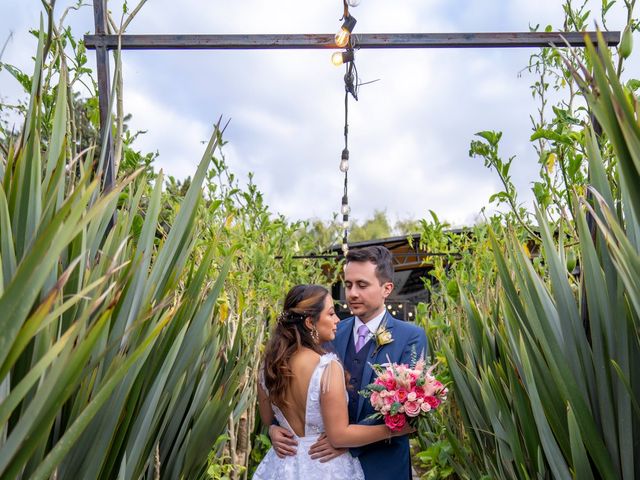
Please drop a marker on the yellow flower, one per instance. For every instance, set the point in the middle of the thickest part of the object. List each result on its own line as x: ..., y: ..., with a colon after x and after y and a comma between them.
x: 551, y: 161
x: 383, y: 337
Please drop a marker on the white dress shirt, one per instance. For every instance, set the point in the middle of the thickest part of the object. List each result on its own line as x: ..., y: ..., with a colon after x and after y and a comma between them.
x: 372, y: 325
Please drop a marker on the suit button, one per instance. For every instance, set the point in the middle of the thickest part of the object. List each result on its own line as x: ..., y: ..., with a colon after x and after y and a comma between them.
x: 356, y: 361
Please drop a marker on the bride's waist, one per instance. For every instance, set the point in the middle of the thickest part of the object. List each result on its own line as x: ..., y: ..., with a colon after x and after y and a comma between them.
x: 309, y: 439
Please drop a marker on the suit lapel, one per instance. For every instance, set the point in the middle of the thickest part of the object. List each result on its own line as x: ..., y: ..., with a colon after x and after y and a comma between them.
x: 378, y: 355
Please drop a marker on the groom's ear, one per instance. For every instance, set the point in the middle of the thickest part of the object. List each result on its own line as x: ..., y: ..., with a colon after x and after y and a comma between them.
x: 387, y: 289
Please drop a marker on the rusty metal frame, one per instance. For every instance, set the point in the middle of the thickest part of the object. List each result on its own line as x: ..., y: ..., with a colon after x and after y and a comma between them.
x: 327, y: 41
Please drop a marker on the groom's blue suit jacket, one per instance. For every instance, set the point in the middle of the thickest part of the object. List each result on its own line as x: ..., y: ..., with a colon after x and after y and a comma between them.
x: 388, y: 459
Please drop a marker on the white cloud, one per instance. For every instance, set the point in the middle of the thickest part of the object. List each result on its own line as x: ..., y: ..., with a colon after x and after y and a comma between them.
x: 182, y: 147
x: 409, y: 132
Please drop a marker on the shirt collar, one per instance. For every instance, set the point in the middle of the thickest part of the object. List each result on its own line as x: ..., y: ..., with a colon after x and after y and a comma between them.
x: 372, y: 324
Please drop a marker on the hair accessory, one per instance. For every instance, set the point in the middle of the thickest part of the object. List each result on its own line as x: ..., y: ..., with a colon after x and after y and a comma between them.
x: 290, y: 317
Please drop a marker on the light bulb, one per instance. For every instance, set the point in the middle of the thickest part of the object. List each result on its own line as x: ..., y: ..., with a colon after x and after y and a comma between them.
x: 353, y: 3
x: 345, y: 224
x: 345, y: 209
x: 339, y: 58
x: 342, y: 38
x: 345, y: 248
x: 344, y: 161
x: 336, y: 59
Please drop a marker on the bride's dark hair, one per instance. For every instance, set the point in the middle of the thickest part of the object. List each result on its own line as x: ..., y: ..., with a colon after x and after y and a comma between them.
x: 291, y: 334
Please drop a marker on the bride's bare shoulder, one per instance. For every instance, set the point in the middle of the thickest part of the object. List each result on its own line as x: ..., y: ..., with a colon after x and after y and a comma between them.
x: 304, y: 359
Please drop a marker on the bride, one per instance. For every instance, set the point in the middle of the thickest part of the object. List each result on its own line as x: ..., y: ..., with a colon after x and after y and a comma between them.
x: 303, y: 388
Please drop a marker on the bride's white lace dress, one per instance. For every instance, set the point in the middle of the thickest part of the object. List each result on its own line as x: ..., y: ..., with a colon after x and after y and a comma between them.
x: 301, y: 466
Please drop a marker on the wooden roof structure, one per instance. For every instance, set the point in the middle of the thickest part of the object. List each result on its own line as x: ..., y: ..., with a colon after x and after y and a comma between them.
x: 406, y: 251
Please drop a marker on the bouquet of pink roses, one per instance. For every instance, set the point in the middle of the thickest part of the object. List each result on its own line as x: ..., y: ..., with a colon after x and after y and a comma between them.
x: 402, y: 394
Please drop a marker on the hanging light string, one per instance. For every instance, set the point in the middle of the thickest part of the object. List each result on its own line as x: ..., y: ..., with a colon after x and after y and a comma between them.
x: 347, y: 57
x: 344, y: 167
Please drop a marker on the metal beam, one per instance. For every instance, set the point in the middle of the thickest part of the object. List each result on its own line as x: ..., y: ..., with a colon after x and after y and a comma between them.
x: 327, y: 41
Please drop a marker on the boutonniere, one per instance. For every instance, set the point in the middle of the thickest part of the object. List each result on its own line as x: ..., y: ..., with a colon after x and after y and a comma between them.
x: 383, y: 337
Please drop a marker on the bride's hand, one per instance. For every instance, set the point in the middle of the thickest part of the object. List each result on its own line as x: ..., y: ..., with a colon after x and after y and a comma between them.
x: 323, y: 450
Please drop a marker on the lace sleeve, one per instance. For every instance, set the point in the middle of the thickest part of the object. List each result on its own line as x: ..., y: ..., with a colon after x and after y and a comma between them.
x: 329, y: 370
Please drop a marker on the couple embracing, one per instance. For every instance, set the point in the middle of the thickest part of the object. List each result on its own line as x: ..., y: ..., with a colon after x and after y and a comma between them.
x: 315, y: 365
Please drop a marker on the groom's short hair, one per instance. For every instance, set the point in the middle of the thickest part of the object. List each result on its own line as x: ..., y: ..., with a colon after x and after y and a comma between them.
x: 379, y: 256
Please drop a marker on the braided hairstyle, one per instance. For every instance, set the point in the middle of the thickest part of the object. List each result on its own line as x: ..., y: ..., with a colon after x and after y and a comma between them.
x: 290, y: 335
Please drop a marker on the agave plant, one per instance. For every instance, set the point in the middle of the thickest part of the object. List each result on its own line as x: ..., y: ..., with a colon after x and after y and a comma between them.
x: 546, y: 380
x: 112, y: 361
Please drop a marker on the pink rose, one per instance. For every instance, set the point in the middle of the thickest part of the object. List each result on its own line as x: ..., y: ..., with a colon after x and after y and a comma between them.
x: 395, y: 422
x: 389, y: 384
x: 425, y: 407
x: 412, y: 409
x: 412, y: 397
x: 401, y: 395
x: 375, y: 399
x: 432, y: 401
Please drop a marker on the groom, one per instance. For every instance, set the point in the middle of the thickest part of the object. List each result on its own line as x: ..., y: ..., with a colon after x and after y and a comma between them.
x: 368, y: 279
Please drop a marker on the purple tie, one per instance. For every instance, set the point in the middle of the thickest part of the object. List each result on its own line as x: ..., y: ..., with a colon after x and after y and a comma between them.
x: 363, y: 333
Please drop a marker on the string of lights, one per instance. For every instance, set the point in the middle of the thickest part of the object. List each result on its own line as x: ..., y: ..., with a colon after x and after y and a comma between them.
x: 344, y: 39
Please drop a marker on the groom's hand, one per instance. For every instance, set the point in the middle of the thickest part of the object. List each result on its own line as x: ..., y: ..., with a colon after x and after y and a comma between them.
x: 282, y: 440
x: 323, y: 450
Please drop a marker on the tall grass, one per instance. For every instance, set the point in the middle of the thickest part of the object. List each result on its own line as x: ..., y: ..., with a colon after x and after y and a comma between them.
x: 542, y: 393
x: 113, y: 362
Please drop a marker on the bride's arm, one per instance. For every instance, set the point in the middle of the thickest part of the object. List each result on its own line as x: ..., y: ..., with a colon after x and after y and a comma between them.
x: 334, y: 408
x: 266, y: 414
x: 283, y: 440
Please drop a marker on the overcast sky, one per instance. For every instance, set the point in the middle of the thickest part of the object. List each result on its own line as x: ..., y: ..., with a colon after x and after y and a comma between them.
x: 409, y: 132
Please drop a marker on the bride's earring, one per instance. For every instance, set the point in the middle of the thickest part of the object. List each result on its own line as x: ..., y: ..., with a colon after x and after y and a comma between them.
x: 315, y: 335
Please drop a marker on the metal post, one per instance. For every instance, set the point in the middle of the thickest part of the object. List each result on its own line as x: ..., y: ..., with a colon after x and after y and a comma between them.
x: 104, y: 94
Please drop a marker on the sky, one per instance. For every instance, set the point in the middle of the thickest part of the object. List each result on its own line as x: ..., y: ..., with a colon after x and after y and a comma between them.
x: 410, y: 130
